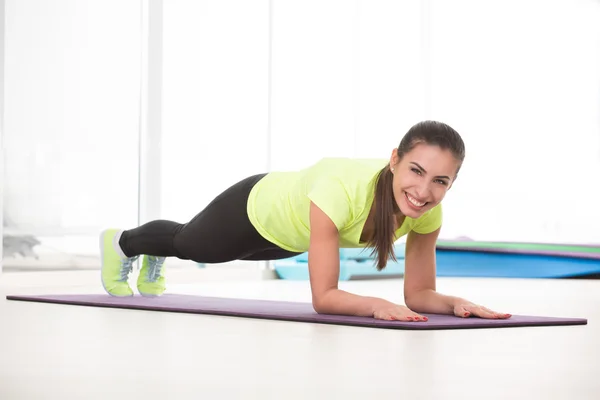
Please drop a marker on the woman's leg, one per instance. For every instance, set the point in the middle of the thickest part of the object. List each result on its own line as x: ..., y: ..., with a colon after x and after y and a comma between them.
x: 221, y: 232
x: 271, y: 254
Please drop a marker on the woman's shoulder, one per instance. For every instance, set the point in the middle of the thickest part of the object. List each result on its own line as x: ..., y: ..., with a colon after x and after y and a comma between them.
x: 350, y: 178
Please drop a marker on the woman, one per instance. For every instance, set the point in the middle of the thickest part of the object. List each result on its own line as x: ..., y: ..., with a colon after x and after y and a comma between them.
x: 335, y: 203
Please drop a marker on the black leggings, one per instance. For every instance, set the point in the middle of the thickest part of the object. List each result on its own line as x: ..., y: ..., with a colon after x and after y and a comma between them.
x: 221, y: 232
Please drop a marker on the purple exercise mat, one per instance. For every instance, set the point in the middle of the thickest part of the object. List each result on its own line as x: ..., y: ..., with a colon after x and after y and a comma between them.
x: 282, y: 310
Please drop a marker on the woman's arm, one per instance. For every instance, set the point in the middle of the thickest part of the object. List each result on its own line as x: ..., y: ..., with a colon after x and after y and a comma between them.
x: 419, y: 276
x: 324, y: 270
x: 419, y: 282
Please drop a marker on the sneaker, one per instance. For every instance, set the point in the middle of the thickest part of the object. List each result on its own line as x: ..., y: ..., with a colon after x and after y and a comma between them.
x: 115, y: 265
x: 151, y: 282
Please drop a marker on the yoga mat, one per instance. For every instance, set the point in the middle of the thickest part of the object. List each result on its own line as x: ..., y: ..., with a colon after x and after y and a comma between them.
x: 286, y: 311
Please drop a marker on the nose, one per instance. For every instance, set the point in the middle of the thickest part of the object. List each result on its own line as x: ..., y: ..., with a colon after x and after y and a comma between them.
x: 423, y: 191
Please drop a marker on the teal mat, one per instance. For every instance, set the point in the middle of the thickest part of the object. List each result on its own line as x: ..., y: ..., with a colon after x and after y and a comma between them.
x: 349, y: 269
x: 354, y: 264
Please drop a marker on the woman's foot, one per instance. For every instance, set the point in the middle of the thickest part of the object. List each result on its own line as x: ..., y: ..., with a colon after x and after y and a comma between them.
x: 116, y: 267
x: 151, y: 280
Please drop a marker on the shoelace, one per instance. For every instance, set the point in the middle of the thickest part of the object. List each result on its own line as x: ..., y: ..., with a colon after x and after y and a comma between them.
x: 154, y: 267
x: 126, y: 267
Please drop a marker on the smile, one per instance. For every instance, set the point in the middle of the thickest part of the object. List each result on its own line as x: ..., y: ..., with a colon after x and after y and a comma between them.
x: 413, y: 201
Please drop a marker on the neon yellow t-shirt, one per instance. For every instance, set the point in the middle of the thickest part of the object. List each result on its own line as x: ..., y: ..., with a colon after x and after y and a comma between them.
x: 278, y: 205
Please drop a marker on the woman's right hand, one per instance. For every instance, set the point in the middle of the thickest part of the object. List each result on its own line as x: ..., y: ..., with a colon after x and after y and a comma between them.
x: 395, y: 312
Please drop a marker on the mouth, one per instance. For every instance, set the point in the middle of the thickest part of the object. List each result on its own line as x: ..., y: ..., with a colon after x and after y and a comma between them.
x: 414, y: 202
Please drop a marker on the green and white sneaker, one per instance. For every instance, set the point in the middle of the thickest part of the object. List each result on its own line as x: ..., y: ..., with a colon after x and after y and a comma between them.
x: 151, y: 280
x: 116, y: 267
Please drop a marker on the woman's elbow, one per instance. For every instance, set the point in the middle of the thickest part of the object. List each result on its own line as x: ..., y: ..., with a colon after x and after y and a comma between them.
x: 319, y: 304
x: 412, y: 303
x: 415, y: 300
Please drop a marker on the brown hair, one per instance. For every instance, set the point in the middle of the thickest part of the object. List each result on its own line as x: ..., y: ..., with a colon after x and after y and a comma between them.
x: 429, y: 132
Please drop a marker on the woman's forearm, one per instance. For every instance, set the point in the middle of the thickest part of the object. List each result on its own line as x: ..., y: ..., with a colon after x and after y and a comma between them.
x: 339, y: 302
x: 430, y: 301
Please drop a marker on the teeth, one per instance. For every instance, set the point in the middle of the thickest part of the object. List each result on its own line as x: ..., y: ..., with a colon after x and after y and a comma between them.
x: 414, y: 201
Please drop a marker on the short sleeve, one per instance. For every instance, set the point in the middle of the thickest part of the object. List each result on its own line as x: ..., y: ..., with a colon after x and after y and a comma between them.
x: 331, y: 197
x: 430, y: 221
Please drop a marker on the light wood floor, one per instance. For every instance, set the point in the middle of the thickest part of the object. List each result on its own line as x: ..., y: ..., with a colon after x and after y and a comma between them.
x: 69, y: 352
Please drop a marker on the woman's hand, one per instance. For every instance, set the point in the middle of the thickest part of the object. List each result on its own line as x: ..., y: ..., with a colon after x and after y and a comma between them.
x: 394, y: 312
x: 465, y: 309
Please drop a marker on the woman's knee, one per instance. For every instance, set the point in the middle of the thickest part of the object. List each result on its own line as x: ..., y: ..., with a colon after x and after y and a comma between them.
x: 202, y: 252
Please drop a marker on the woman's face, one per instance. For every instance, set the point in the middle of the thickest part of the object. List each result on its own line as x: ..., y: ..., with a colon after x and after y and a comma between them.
x: 422, y: 178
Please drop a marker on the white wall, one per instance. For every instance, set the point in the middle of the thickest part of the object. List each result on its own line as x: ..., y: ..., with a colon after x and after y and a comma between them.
x: 520, y: 80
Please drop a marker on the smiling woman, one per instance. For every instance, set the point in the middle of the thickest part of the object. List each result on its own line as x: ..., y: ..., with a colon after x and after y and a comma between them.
x: 335, y: 203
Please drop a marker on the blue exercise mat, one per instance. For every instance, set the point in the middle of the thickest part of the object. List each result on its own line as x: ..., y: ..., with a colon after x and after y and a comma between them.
x: 456, y: 263
x: 507, y: 265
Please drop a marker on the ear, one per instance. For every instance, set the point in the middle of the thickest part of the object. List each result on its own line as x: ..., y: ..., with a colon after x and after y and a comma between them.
x: 394, y: 158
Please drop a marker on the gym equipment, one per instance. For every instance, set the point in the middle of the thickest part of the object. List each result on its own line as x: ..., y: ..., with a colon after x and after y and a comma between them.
x: 354, y: 264
x: 284, y: 311
x: 297, y: 270
x: 550, y: 249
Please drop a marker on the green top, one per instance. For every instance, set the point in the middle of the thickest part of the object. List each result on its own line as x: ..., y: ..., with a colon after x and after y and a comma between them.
x: 278, y: 205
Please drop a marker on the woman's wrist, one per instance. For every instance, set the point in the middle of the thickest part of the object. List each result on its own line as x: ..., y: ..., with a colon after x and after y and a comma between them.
x: 430, y: 301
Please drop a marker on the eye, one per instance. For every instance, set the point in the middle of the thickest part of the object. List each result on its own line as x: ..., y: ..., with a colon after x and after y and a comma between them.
x: 441, y: 182
x: 416, y: 171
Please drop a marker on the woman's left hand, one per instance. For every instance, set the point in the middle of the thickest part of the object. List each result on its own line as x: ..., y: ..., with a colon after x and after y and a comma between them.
x: 465, y: 309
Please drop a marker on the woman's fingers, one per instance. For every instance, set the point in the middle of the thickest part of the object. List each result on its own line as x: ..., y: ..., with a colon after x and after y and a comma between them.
x: 399, y: 314
x: 498, y: 314
x: 396, y: 316
x: 481, y: 312
x: 462, y: 311
x: 465, y: 311
x: 413, y: 317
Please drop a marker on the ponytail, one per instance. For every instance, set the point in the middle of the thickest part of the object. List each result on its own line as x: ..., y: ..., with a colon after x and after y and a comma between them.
x: 385, y: 207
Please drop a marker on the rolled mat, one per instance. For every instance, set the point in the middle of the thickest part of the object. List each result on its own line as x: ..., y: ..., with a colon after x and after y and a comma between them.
x: 285, y: 311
